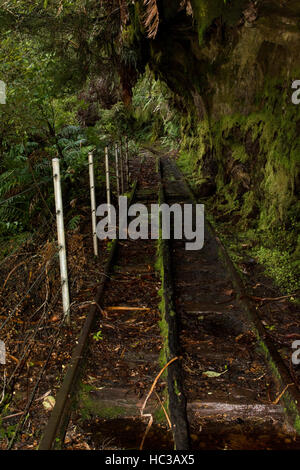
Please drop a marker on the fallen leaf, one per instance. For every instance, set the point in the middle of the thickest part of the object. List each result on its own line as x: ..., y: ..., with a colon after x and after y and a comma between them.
x: 228, y: 291
x: 49, y: 403
x: 211, y: 373
x: 54, y: 318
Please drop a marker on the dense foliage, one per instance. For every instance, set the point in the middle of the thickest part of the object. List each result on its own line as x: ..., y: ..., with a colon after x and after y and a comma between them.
x: 84, y: 73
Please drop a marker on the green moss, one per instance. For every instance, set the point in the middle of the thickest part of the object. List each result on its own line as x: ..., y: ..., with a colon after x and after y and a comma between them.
x: 290, y: 408
x: 278, y: 266
x: 164, y: 331
x: 205, y: 11
x: 111, y: 412
x: 90, y: 407
x: 257, y: 158
x: 176, y: 389
x: 266, y: 352
x: 297, y: 424
x: 239, y: 153
x: 159, y: 416
x: 163, y: 324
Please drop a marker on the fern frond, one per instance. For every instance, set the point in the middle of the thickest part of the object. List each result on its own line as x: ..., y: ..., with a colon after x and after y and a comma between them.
x: 151, y: 18
x: 74, y: 222
x: 188, y: 7
x: 70, y: 131
x: 124, y: 13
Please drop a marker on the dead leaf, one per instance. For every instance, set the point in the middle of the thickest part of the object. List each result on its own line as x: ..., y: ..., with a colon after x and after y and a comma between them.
x: 211, y: 373
x: 228, y: 291
x: 49, y: 403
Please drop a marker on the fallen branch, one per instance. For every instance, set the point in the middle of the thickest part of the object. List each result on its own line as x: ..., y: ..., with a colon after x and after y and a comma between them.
x: 264, y: 299
x: 127, y: 308
x: 149, y: 415
x: 14, y: 358
x: 12, y: 416
x: 292, y: 335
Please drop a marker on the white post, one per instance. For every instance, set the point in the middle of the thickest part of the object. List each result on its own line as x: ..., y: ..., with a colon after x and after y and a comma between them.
x: 93, y: 202
x: 122, y: 169
x: 126, y: 163
x: 107, y: 183
x: 61, y: 239
x: 117, y: 170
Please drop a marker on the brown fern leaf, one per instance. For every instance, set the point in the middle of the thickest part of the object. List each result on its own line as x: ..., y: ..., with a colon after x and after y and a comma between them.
x: 151, y: 18
x: 124, y: 14
x: 186, y: 4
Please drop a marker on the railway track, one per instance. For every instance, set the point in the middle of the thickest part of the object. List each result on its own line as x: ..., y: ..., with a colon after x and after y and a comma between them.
x: 158, y: 303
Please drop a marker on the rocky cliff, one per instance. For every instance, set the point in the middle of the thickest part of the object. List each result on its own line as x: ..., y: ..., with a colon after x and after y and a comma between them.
x: 231, y: 65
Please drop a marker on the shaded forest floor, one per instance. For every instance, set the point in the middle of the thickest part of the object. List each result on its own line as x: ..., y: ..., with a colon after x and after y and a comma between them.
x: 38, y: 344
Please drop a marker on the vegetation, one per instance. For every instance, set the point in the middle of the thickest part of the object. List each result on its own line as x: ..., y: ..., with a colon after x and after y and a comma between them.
x: 51, y: 109
x: 209, y: 82
x: 58, y: 103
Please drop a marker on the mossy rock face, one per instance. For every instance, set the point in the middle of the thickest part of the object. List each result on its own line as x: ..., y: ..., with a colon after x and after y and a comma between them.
x: 232, y: 63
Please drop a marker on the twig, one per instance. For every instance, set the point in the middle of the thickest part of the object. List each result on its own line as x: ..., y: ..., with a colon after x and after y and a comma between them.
x: 4, y: 385
x: 8, y: 318
x: 149, y: 415
x: 43, y: 396
x: 292, y: 335
x: 263, y: 299
x: 12, y: 416
x: 38, y: 188
x: 127, y: 308
x: 14, y: 358
x: 147, y: 429
x: 164, y: 410
x: 10, y: 273
x: 281, y: 394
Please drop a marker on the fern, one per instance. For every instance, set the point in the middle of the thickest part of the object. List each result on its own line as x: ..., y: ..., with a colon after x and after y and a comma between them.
x: 70, y: 131
x: 151, y: 18
x: 74, y: 222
